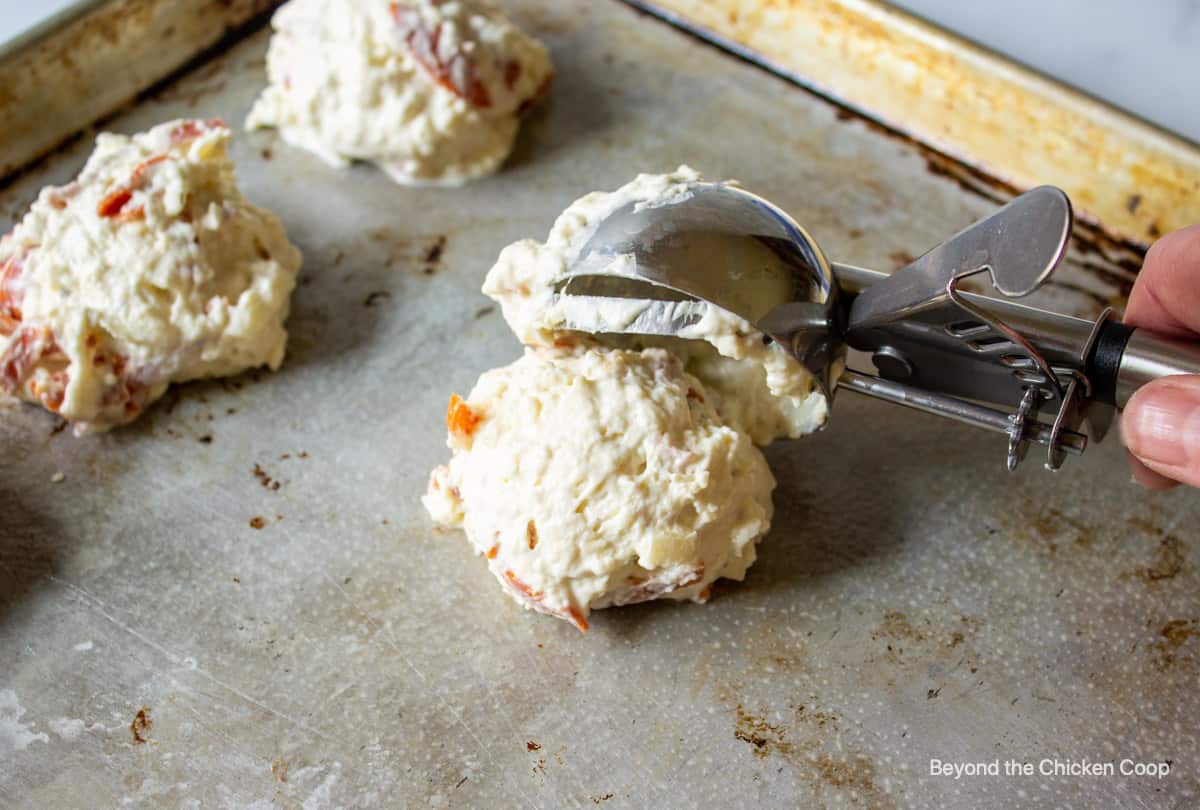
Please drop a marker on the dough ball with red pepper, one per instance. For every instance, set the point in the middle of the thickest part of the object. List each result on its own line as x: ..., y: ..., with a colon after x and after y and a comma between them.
x: 149, y: 268
x: 590, y: 477
x: 429, y: 90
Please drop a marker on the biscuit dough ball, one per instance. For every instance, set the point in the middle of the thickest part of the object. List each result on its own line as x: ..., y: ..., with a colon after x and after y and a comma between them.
x: 149, y: 268
x: 591, y: 477
x: 431, y: 91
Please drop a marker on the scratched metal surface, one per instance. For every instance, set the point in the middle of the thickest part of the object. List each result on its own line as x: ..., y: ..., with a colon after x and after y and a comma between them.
x: 912, y: 600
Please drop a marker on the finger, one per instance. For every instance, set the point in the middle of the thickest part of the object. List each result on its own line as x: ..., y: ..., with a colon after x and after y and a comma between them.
x: 1147, y: 477
x: 1166, y: 296
x: 1161, y: 427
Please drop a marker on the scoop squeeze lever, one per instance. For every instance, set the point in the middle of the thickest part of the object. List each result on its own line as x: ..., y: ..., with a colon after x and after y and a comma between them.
x: 984, y: 360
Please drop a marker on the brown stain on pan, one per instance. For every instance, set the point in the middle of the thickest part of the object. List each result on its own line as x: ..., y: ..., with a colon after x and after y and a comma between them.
x: 403, y: 250
x: 773, y: 652
x: 1167, y: 559
x: 906, y: 643
x: 433, y: 254
x: 1049, y: 530
x: 811, y: 741
x: 1173, y: 635
x: 896, y: 625
x: 140, y: 726
x: 764, y: 738
x: 857, y: 773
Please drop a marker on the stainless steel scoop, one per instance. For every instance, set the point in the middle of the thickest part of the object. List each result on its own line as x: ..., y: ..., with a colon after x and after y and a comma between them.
x: 986, y: 361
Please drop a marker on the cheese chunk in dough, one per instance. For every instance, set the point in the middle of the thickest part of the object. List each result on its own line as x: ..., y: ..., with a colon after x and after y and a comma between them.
x: 429, y: 90
x: 591, y: 477
x: 149, y: 268
x: 757, y: 386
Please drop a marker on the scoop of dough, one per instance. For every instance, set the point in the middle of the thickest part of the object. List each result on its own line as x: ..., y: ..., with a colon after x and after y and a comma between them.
x: 149, y: 268
x: 430, y: 90
x: 757, y: 387
x: 591, y: 477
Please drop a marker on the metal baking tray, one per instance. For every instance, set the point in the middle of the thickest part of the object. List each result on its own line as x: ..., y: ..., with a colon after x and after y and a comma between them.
x: 913, y: 601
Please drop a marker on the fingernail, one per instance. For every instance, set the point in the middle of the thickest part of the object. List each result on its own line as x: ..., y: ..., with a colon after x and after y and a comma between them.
x: 1162, y: 424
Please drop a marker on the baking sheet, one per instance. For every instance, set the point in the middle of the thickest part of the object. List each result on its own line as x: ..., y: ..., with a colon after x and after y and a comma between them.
x: 95, y: 56
x: 913, y: 601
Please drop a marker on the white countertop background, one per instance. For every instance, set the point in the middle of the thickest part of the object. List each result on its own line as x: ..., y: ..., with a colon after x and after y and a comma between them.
x: 1141, y: 55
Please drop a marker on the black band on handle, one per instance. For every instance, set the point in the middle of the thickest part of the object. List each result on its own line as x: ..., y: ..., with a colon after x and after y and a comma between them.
x: 1105, y: 360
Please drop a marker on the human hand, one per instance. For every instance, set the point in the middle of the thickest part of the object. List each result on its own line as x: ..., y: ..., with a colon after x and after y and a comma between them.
x: 1161, y: 422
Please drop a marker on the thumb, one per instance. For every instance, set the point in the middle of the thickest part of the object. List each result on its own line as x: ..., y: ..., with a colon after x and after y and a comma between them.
x: 1161, y: 427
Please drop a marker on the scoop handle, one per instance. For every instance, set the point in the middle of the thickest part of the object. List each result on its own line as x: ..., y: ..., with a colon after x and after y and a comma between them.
x: 1126, y: 358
